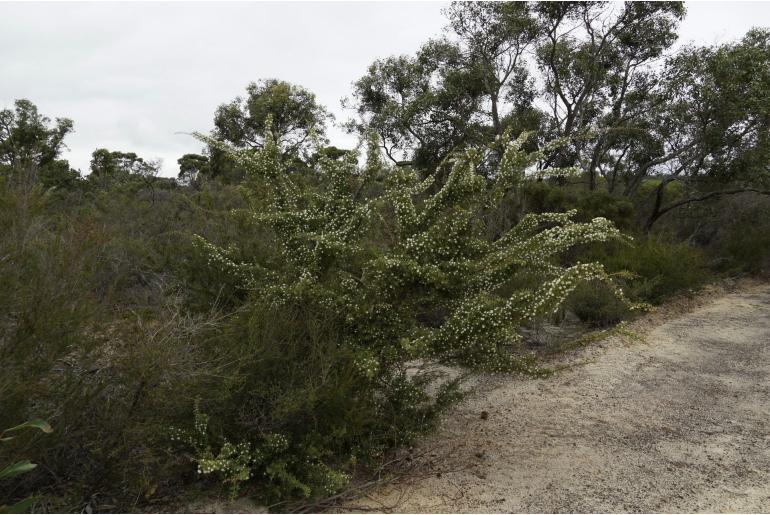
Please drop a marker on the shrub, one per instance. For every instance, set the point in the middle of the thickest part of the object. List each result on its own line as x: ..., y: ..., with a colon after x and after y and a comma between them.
x: 597, y: 305
x: 93, y: 339
x: 658, y: 268
x: 16, y: 469
x: 365, y: 273
x: 542, y: 197
x: 306, y: 319
x: 741, y: 235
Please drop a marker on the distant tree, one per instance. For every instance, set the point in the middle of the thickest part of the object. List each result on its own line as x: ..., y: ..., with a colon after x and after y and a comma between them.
x: 420, y: 107
x: 494, y: 39
x: 292, y: 115
x: 193, y: 167
x: 592, y: 75
x: 107, y: 163
x: 109, y: 168
x: 294, y: 111
x: 30, y: 146
x: 463, y: 90
x: 596, y: 60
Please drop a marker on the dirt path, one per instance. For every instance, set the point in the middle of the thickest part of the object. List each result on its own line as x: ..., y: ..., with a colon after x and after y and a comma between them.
x: 679, y: 421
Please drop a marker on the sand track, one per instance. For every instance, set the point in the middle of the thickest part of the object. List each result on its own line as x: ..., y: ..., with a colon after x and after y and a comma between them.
x: 679, y: 421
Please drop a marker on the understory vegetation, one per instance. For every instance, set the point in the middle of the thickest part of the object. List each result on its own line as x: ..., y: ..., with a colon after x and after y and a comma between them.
x: 279, y: 318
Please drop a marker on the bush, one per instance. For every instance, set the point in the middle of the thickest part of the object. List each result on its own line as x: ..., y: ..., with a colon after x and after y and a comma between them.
x: 93, y: 339
x: 740, y: 238
x: 542, y: 197
x: 658, y: 268
x: 365, y: 278
x: 597, y: 305
x: 305, y: 319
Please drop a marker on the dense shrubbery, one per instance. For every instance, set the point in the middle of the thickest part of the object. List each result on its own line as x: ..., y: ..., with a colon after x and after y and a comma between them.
x: 300, y: 313
x: 278, y: 317
x: 92, y: 338
x: 596, y: 305
x: 303, y: 322
x: 650, y: 270
x: 542, y: 197
x: 734, y: 233
x: 366, y: 278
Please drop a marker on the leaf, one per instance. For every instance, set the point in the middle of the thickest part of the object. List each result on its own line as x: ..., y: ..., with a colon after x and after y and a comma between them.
x: 20, y: 507
x: 35, y: 423
x: 16, y: 469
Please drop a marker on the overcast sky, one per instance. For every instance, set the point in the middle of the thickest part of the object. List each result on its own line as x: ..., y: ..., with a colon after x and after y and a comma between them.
x: 132, y: 75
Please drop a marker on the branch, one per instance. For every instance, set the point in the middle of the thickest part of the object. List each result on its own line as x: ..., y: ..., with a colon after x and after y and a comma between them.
x: 701, y: 198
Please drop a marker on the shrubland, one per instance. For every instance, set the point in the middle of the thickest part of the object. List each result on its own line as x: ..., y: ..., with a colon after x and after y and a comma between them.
x: 280, y: 318
x: 297, y: 323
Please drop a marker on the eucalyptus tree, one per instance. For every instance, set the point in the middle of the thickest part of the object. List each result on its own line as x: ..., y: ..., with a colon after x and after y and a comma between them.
x: 711, y: 130
x: 193, y: 167
x: 420, y: 107
x: 31, y: 146
x: 296, y: 118
x: 465, y: 88
x: 290, y: 114
x: 569, y: 69
x: 596, y: 61
x: 494, y: 39
x: 111, y: 168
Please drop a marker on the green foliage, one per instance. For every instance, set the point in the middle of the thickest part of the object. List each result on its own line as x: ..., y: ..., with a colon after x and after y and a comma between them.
x: 20, y: 467
x: 233, y: 462
x: 745, y: 246
x: 658, y: 268
x: 193, y: 168
x: 30, y: 147
x: 542, y: 197
x: 596, y: 305
x: 734, y: 232
x: 309, y: 312
x: 436, y: 257
x: 94, y: 336
x: 365, y: 280
x: 293, y: 112
x: 110, y: 168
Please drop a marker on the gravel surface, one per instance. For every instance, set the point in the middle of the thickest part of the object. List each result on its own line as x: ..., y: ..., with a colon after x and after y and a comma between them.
x: 675, y: 420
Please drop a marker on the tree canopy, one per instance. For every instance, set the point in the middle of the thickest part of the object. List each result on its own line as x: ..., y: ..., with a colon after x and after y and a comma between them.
x: 31, y: 143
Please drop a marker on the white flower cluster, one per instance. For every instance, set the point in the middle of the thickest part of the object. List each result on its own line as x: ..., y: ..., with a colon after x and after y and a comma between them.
x: 367, y: 366
x: 234, y: 462
x: 416, y: 262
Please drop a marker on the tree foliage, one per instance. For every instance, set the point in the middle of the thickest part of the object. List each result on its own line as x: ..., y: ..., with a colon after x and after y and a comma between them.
x: 296, y: 118
x: 31, y: 146
x: 601, y: 74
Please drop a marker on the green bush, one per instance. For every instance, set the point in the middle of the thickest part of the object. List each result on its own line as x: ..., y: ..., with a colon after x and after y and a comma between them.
x: 13, y: 470
x: 742, y: 237
x: 304, y: 314
x: 544, y: 197
x: 747, y: 249
x: 658, y: 268
x: 364, y: 275
x: 93, y: 339
x: 597, y: 305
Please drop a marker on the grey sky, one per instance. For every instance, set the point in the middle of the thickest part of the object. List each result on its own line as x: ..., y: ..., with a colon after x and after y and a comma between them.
x: 131, y: 75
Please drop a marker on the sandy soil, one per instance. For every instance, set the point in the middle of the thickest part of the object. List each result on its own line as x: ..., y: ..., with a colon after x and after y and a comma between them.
x: 676, y: 420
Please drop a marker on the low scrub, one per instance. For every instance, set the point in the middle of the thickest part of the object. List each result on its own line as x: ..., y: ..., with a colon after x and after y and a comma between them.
x: 276, y: 342
x: 597, y: 305
x: 652, y: 268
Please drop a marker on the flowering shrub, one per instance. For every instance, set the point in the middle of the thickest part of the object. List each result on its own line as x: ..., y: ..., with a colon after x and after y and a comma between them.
x: 382, y: 264
x: 374, y: 270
